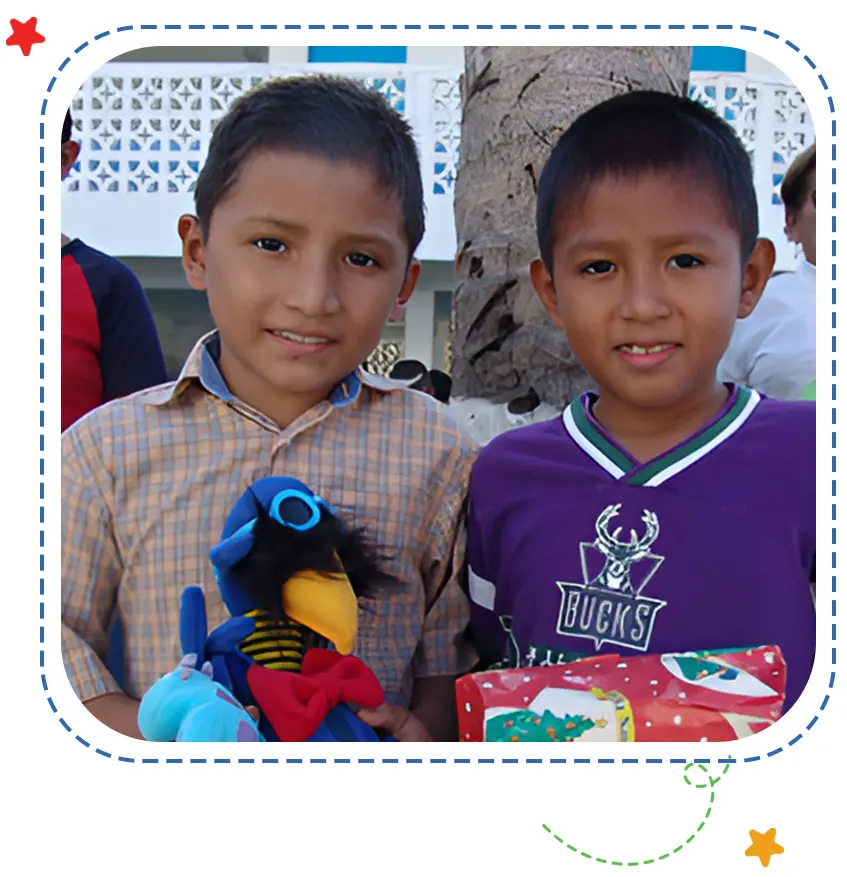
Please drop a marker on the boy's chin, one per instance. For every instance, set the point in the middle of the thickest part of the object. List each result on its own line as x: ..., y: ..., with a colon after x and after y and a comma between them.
x: 298, y: 378
x: 649, y: 393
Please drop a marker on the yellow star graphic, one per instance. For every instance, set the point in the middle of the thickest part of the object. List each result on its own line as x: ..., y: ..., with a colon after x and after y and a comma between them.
x: 764, y: 846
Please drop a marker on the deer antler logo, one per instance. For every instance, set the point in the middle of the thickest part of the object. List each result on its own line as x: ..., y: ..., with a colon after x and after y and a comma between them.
x: 621, y: 555
x: 607, y: 606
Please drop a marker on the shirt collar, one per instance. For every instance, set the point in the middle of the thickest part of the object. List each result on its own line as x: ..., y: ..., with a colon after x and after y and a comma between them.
x: 201, y: 367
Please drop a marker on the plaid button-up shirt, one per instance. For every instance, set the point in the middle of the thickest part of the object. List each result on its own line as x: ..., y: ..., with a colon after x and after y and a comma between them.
x: 147, y: 483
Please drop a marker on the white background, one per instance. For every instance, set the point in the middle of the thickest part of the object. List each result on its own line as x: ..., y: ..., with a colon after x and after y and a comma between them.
x: 69, y: 809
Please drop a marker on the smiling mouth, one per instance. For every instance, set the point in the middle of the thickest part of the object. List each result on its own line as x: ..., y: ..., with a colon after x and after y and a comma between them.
x: 646, y: 356
x: 639, y: 350
x: 299, y: 346
x: 296, y: 338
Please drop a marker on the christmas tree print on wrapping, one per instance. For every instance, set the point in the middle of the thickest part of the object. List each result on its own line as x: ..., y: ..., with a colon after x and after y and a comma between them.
x: 696, y: 668
x: 525, y: 726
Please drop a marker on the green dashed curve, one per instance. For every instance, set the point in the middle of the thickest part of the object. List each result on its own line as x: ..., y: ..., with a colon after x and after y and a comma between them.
x: 710, y: 784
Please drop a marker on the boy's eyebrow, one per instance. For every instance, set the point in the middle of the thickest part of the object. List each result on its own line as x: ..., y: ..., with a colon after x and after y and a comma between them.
x: 364, y: 237
x: 273, y: 220
x: 677, y: 238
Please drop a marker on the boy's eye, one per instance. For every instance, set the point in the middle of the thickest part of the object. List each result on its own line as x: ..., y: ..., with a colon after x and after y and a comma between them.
x: 272, y: 245
x: 599, y: 266
x: 360, y: 260
x: 685, y: 260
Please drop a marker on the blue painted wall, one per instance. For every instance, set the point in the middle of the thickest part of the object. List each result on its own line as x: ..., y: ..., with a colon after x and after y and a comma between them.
x: 357, y: 54
x: 718, y: 59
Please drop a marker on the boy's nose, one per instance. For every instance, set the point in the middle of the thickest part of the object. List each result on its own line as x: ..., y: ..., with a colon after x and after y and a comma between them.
x: 313, y: 291
x: 644, y: 299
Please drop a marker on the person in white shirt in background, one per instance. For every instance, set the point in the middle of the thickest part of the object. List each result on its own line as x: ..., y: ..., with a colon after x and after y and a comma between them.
x: 773, y: 349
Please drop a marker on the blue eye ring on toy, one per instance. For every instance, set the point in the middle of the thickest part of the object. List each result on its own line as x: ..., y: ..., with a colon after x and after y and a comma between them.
x: 314, y: 503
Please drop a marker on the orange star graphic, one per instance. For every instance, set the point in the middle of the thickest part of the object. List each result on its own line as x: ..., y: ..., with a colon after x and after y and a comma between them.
x: 764, y: 846
x: 24, y: 34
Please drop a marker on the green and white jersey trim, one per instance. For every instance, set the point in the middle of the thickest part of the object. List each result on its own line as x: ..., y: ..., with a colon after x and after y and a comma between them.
x: 620, y: 466
x: 582, y: 431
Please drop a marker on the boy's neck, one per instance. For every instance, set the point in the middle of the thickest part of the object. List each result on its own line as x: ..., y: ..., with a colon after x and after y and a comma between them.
x: 283, y: 408
x: 648, y: 433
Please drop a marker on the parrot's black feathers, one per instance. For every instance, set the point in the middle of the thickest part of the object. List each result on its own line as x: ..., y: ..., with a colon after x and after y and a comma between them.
x: 278, y: 552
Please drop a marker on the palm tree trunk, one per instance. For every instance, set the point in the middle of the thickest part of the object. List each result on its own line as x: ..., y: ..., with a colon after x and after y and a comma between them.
x: 517, y: 101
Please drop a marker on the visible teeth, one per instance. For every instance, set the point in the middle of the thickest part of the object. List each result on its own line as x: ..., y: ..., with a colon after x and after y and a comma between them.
x: 300, y: 339
x: 635, y: 348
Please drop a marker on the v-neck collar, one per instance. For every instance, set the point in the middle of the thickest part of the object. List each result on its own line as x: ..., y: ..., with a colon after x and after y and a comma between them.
x: 596, y: 442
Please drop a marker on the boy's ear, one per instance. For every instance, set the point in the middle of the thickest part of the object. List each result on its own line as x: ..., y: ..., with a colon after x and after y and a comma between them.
x: 543, y: 283
x: 193, y: 256
x: 790, y: 225
x: 756, y: 274
x: 409, y: 282
x: 70, y: 153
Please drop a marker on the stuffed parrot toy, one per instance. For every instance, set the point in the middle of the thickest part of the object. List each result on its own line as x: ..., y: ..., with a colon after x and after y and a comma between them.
x: 290, y: 573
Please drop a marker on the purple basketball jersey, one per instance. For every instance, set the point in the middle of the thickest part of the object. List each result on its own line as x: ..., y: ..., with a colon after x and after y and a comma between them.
x: 575, y: 548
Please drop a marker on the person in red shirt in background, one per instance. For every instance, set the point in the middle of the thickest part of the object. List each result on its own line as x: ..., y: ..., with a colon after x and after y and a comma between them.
x: 110, y: 347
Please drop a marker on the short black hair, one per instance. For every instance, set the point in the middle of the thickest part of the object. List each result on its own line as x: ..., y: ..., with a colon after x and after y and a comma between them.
x: 442, y: 385
x: 329, y: 116
x: 647, y: 131
x: 67, y: 128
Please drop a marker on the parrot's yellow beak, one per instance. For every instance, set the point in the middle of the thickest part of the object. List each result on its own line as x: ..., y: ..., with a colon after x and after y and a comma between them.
x: 325, y: 603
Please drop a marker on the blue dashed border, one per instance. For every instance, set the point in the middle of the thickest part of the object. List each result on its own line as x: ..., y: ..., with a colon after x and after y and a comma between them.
x: 410, y: 27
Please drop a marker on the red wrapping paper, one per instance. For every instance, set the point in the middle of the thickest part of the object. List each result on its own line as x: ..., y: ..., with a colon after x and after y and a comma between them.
x: 687, y: 697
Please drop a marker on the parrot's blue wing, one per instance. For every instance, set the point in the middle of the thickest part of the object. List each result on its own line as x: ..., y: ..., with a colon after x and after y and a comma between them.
x: 192, y: 623
x: 220, y: 672
x: 214, y: 647
x: 222, y: 650
x: 229, y: 636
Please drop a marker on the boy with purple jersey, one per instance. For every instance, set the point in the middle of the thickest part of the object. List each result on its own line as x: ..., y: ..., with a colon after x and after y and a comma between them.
x: 667, y: 511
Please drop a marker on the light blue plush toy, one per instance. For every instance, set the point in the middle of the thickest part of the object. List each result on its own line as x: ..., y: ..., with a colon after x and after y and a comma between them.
x: 188, y: 706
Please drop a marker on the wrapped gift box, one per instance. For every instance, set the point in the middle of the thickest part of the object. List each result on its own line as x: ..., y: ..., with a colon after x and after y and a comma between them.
x: 685, y: 697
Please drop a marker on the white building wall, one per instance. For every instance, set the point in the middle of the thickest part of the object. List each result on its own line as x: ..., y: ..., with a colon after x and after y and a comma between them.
x: 419, y: 327
x: 759, y: 68
x: 198, y: 54
x: 288, y: 54
x: 437, y: 56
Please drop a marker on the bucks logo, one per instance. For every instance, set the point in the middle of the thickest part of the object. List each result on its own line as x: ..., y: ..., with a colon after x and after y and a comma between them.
x: 608, y: 606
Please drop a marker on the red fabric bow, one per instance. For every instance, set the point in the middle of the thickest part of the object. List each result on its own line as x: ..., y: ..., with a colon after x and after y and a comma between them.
x: 295, y: 704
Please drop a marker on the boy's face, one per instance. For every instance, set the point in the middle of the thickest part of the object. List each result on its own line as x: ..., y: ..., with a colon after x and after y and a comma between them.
x: 70, y: 153
x: 647, y: 285
x: 800, y: 225
x: 302, y: 263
